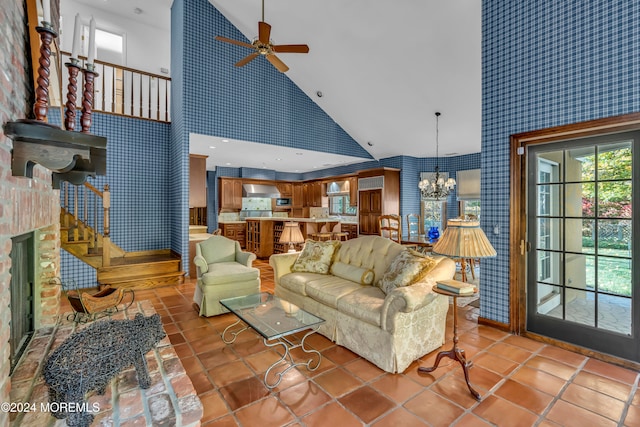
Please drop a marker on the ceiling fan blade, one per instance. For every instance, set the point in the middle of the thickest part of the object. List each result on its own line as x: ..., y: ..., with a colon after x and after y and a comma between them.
x: 236, y: 42
x: 247, y: 59
x: 291, y: 48
x: 264, y: 32
x: 276, y: 62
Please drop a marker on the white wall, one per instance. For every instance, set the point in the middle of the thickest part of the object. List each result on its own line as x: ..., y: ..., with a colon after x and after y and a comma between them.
x: 147, y: 47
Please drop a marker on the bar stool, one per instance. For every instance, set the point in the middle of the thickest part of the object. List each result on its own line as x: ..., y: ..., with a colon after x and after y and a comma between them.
x: 322, y: 235
x: 338, y: 234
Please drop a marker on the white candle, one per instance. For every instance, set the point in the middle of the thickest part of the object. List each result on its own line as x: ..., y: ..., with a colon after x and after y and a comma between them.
x: 92, y: 41
x: 76, y: 37
x: 46, y: 11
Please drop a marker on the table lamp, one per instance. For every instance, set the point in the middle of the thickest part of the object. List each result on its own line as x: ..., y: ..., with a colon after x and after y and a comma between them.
x: 464, y: 239
x: 291, y: 235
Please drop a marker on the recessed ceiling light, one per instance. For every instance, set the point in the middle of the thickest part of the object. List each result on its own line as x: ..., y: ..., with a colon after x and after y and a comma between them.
x: 228, y: 164
x: 225, y: 140
x: 299, y: 154
x: 211, y: 146
x: 369, y: 143
x: 319, y: 94
x: 278, y: 159
x: 137, y: 11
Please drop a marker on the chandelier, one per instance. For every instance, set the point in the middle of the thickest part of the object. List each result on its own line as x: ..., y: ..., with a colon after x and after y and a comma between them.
x: 437, y: 187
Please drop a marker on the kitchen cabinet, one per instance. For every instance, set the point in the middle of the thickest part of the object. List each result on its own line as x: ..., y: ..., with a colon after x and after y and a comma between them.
x: 284, y: 188
x: 235, y: 231
x: 314, y: 193
x: 351, y: 228
x: 230, y: 194
x: 260, y: 237
x: 377, y: 201
x: 353, y: 191
x: 297, y: 196
x: 197, y: 181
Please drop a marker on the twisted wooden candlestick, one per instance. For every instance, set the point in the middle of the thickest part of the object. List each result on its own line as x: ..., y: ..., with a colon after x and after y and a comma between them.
x: 41, y: 105
x: 87, y: 98
x: 72, y: 89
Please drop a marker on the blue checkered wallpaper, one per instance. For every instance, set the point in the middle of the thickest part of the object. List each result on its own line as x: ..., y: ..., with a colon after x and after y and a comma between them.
x: 137, y: 173
x: 546, y: 63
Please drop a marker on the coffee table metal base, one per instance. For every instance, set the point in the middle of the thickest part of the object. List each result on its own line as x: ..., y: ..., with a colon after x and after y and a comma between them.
x: 286, y: 358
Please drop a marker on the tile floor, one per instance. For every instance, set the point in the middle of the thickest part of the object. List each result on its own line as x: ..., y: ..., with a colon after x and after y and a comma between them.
x: 522, y: 382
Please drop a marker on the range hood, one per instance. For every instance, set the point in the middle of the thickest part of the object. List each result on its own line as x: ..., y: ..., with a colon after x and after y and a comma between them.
x: 260, y: 190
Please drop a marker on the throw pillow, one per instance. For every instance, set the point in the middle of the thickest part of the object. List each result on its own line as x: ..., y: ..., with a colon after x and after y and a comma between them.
x: 406, y: 268
x: 316, y: 257
x: 364, y: 276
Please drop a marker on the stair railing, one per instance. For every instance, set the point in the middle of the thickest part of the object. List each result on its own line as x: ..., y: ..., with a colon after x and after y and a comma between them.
x: 82, y: 228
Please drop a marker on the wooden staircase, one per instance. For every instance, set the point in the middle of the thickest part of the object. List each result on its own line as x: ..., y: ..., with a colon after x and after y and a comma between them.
x: 114, y: 266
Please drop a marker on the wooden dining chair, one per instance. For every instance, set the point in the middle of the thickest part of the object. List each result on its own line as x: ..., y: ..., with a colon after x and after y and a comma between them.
x: 391, y: 227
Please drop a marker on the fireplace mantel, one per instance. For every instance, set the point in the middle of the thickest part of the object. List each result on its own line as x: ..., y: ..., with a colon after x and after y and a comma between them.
x: 71, y: 156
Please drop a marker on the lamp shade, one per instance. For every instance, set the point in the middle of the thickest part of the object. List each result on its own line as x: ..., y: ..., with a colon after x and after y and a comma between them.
x: 464, y: 239
x: 291, y: 234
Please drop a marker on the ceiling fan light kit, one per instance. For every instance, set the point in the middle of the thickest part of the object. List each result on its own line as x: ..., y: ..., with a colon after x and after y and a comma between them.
x: 437, y: 187
x: 263, y: 46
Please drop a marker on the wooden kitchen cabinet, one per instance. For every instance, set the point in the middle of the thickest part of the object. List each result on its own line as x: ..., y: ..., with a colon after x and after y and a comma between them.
x: 297, y: 196
x: 285, y: 189
x: 353, y: 191
x: 235, y: 231
x: 314, y: 193
x: 230, y: 194
x: 351, y: 228
x: 260, y: 237
x: 197, y: 181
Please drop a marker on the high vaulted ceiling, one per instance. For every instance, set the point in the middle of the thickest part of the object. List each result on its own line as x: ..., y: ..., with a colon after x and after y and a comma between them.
x: 383, y: 67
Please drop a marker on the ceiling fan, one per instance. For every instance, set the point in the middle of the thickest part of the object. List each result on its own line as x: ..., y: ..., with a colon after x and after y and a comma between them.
x: 262, y: 46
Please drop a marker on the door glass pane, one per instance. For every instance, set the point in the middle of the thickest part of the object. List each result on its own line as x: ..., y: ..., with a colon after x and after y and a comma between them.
x: 614, y: 275
x: 614, y: 237
x: 580, y: 235
x: 614, y: 161
x: 550, y: 300
x: 580, y: 307
x: 549, y: 200
x: 614, y: 199
x: 583, y: 161
x: 580, y: 200
x: 614, y: 314
x: 549, y: 267
x: 550, y: 233
x: 580, y: 272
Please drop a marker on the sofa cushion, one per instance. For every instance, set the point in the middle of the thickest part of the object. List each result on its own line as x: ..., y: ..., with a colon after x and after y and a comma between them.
x: 316, y: 257
x: 228, y: 272
x: 329, y: 291
x: 371, y: 252
x: 406, y: 268
x: 297, y: 282
x: 365, y: 304
x: 364, y: 276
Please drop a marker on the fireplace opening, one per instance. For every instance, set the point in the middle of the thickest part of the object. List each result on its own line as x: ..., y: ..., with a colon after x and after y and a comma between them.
x: 22, y: 295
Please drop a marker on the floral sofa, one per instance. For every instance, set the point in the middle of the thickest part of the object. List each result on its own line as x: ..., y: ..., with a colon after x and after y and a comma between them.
x: 374, y: 294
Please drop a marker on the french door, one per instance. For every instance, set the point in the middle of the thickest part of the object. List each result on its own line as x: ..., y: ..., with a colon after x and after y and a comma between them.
x: 581, y: 280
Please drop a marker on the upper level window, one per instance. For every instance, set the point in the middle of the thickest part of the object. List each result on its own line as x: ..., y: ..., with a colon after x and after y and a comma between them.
x: 340, y: 205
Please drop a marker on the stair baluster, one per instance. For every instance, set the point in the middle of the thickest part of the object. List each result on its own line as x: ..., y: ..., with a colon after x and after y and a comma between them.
x: 106, y: 240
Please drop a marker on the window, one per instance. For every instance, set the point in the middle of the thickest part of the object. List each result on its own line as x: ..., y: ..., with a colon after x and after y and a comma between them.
x: 434, y: 213
x: 339, y: 205
x: 470, y: 208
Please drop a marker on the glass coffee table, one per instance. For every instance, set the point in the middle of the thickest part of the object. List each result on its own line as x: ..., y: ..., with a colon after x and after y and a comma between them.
x: 276, y: 320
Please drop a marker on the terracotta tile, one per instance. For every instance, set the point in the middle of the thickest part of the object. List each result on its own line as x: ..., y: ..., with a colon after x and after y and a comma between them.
x: 633, y: 417
x: 472, y: 338
x: 434, y: 409
x: 204, y: 345
x: 213, y: 406
x: 191, y: 365
x: 265, y: 413
x: 318, y: 342
x: 569, y: 415
x: 364, y: 369
x: 171, y: 328
x: 339, y: 355
x: 481, y: 378
x: 176, y: 338
x: 547, y: 423
x: 304, y: 398
x: 262, y: 361
x: 636, y: 398
x: 244, y: 392
x: 397, y: 387
x: 491, y: 333
x: 592, y: 400
x: 562, y: 355
x: 337, y: 382
x: 539, y: 380
x: 183, y: 350
x: 524, y: 396
x: 201, y: 382
x: 228, y: 421
x: 220, y: 356
x: 334, y: 412
x: 325, y: 365
x: 604, y: 385
x: 511, y: 352
x: 367, y: 403
x: 223, y: 375
x: 205, y: 331
x: 611, y: 371
x: 552, y: 367
x: 470, y: 420
x: 497, y: 410
x: 399, y: 417
x: 494, y: 363
x: 526, y: 343
x: 291, y: 378
x: 454, y: 388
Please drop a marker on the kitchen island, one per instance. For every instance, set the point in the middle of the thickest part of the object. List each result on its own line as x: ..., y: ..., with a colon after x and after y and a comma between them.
x: 263, y: 233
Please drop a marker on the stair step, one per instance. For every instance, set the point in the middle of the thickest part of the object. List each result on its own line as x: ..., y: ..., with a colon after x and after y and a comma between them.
x: 146, y: 281
x: 125, y: 267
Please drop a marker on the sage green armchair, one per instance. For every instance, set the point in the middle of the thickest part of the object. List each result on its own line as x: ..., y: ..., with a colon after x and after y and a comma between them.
x: 223, y: 271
